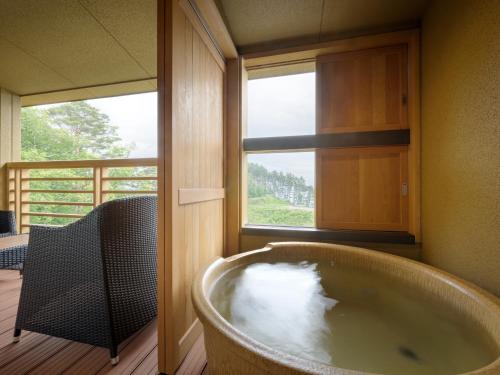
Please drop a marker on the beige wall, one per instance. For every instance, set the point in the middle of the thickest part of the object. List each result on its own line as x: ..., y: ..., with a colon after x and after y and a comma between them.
x: 10, y: 138
x: 461, y: 139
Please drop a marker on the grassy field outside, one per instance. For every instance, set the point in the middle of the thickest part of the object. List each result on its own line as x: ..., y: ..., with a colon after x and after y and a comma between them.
x: 274, y: 211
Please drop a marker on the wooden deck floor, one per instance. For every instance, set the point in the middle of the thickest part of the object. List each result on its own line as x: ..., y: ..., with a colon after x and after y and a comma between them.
x: 42, y: 355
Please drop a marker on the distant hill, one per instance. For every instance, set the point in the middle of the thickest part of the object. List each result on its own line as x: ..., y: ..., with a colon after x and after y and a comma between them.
x: 288, y: 187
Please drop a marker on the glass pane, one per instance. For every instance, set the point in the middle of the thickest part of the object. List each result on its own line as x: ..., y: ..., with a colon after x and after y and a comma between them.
x: 281, y: 106
x: 281, y: 189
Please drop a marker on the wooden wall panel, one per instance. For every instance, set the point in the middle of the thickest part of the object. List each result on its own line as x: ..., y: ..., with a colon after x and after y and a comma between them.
x: 362, y: 91
x: 362, y: 188
x: 192, y: 149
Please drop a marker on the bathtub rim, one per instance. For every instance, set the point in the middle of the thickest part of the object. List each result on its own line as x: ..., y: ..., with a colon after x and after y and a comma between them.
x: 209, y: 275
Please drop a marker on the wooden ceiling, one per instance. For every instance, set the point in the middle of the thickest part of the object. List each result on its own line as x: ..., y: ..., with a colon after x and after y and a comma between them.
x: 255, y: 24
x: 57, y: 45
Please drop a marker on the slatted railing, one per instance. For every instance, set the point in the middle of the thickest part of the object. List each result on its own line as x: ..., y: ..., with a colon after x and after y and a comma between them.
x: 59, y: 192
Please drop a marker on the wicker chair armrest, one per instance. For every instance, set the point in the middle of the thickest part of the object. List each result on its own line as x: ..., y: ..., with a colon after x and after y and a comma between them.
x: 58, y: 255
x: 75, y: 238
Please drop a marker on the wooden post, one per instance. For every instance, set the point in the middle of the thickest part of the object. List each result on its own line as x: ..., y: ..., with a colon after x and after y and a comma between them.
x: 96, y: 186
x: 16, y: 196
x: 10, y: 139
x: 23, y: 220
x: 233, y: 158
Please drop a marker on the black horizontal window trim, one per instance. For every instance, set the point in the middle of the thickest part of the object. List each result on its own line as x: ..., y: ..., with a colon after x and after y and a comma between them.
x: 304, y: 142
x: 330, y: 235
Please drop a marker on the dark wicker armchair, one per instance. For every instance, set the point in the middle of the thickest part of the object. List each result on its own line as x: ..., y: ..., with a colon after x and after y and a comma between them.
x: 93, y: 281
x: 7, y: 223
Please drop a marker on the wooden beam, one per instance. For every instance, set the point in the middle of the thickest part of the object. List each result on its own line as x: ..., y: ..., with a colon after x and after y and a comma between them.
x: 308, y: 142
x: 53, y: 214
x: 213, y: 19
x: 307, y: 52
x: 55, y: 203
x: 330, y: 235
x: 164, y: 67
x: 270, y: 46
x: 128, y: 192
x: 57, y: 179
x: 414, y: 166
x: 138, y: 178
x: 233, y: 155
x: 110, y: 163
x: 57, y: 191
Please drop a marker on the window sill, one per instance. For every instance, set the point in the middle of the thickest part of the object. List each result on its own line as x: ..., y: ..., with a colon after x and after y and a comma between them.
x: 303, y: 233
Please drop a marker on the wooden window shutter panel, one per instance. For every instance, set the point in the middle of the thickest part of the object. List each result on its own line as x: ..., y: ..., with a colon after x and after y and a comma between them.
x: 362, y: 90
x: 362, y: 188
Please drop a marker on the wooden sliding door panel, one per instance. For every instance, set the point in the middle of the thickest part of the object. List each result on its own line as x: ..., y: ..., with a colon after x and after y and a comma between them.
x: 362, y: 188
x: 198, y: 225
x: 362, y: 91
x: 191, y: 150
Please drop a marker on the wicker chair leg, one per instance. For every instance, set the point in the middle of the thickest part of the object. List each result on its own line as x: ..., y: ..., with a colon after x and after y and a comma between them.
x: 17, y: 335
x: 114, y: 356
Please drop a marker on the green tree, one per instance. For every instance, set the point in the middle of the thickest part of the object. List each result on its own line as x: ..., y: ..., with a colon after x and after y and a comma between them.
x: 40, y: 141
x: 72, y: 131
x: 91, y: 130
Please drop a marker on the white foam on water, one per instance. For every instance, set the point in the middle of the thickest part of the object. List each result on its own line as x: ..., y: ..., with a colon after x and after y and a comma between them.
x: 284, y: 306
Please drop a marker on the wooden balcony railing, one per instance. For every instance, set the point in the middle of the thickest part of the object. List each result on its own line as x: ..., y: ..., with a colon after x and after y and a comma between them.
x: 59, y: 192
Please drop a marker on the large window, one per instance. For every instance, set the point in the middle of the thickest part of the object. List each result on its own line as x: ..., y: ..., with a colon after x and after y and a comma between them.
x: 337, y: 161
x: 281, y: 185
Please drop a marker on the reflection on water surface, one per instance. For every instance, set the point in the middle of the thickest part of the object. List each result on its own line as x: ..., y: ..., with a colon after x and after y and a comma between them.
x: 348, y: 318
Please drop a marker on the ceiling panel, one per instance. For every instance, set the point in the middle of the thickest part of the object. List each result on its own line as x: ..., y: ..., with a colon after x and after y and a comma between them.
x: 258, y: 21
x: 23, y: 74
x: 67, y: 38
x: 90, y: 93
x: 51, y: 45
x: 133, y: 24
x: 261, y: 21
x: 341, y: 16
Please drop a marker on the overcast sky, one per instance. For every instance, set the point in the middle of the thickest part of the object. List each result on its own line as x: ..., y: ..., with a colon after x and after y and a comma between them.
x: 283, y: 106
x: 136, y: 119
x: 277, y: 106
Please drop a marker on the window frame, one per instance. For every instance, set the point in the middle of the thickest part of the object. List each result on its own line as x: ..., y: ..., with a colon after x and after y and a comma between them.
x: 272, y: 60
x: 313, y: 143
